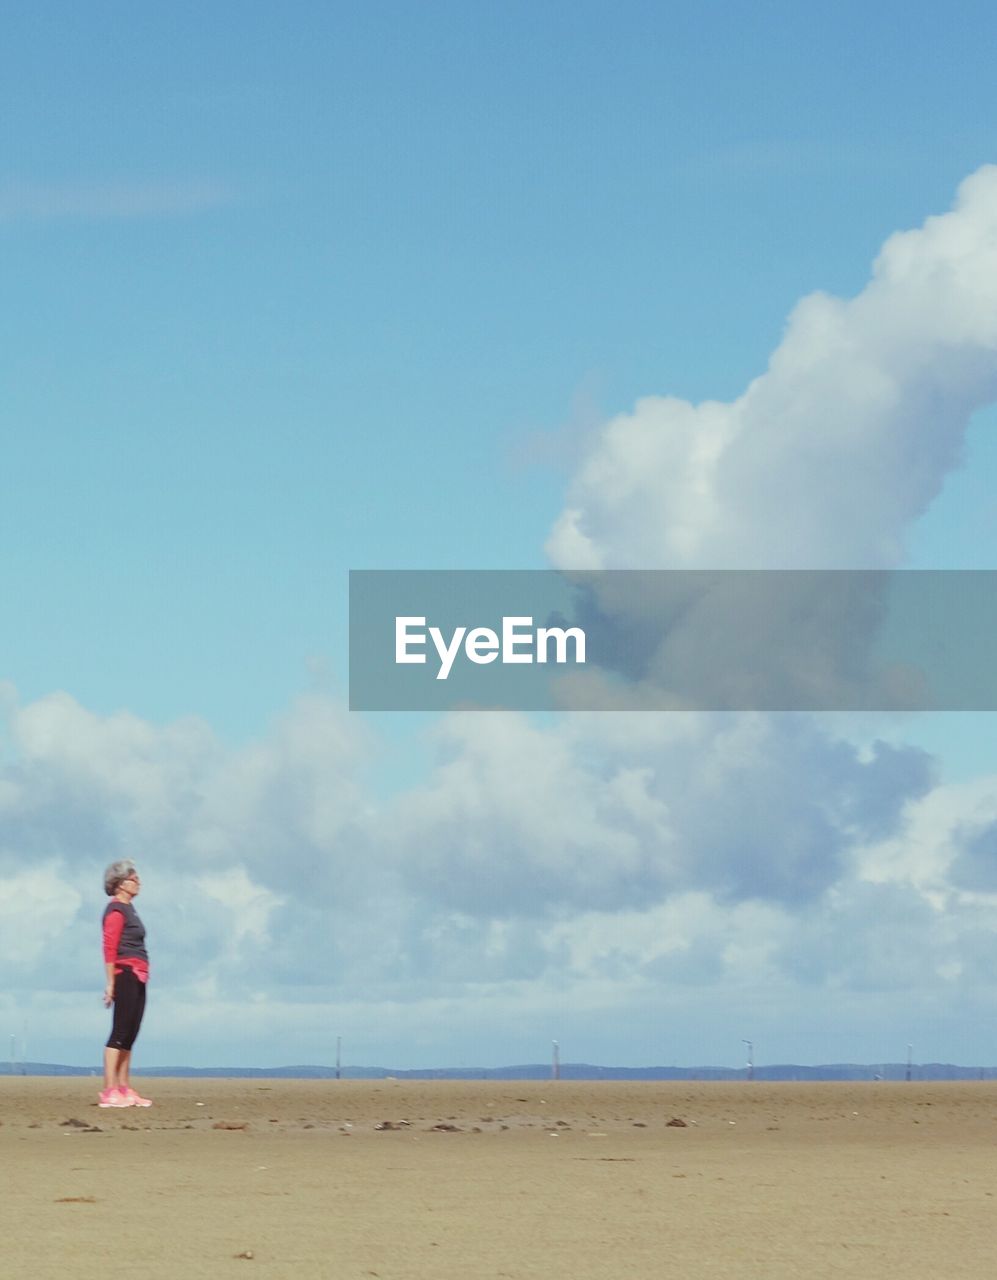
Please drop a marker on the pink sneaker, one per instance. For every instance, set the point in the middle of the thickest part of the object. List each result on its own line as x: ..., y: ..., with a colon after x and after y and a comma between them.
x: 112, y: 1098
x: 133, y: 1099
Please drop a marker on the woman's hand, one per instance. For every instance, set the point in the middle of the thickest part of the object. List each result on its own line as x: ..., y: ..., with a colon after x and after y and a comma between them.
x: 109, y: 995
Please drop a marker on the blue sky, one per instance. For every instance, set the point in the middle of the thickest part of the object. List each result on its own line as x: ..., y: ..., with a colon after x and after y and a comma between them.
x: 294, y: 291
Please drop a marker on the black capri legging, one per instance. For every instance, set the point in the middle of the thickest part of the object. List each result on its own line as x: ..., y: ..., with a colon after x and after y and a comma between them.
x: 129, y: 1005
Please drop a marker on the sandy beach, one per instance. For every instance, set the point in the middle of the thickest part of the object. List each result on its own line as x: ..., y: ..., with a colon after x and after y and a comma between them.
x: 442, y: 1179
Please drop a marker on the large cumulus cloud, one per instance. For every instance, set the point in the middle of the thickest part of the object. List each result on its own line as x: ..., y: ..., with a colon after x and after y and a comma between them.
x: 826, y: 458
x: 521, y: 820
x: 578, y: 877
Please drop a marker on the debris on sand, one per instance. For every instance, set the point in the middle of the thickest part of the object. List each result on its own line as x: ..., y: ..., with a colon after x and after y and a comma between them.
x: 82, y: 1125
x: 231, y: 1124
x: 676, y: 1123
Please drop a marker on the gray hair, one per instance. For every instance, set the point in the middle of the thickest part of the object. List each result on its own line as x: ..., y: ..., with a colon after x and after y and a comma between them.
x: 115, y: 874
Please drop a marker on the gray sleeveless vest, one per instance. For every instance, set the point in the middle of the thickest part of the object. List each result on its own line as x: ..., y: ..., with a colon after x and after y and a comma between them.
x: 133, y: 935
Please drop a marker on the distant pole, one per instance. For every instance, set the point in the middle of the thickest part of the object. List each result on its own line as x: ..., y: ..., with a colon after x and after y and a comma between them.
x: 555, y: 1063
x: 13, y: 1055
x: 751, y: 1059
x: 339, y: 1045
x: 910, y: 1050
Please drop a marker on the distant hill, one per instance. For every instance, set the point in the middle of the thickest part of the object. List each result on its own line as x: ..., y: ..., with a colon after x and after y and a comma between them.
x: 542, y: 1071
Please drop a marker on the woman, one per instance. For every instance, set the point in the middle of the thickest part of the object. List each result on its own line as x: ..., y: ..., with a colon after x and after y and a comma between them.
x: 126, y: 963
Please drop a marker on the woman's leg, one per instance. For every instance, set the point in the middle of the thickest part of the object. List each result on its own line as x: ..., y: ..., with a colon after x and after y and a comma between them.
x: 111, y: 1057
x: 129, y: 1005
x: 124, y: 1062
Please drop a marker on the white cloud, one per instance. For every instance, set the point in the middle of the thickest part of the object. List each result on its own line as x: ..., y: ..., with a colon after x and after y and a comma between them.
x: 36, y: 907
x: 548, y: 875
x: 580, y: 856
x: 513, y: 821
x: 827, y: 457
x: 522, y: 820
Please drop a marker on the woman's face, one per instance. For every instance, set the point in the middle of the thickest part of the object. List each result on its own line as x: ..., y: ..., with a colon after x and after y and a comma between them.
x: 131, y: 884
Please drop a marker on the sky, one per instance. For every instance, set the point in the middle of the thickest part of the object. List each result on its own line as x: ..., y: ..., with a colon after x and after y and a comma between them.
x: 293, y: 291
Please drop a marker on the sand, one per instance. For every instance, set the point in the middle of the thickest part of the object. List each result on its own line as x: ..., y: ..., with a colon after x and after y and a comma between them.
x: 273, y: 1178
